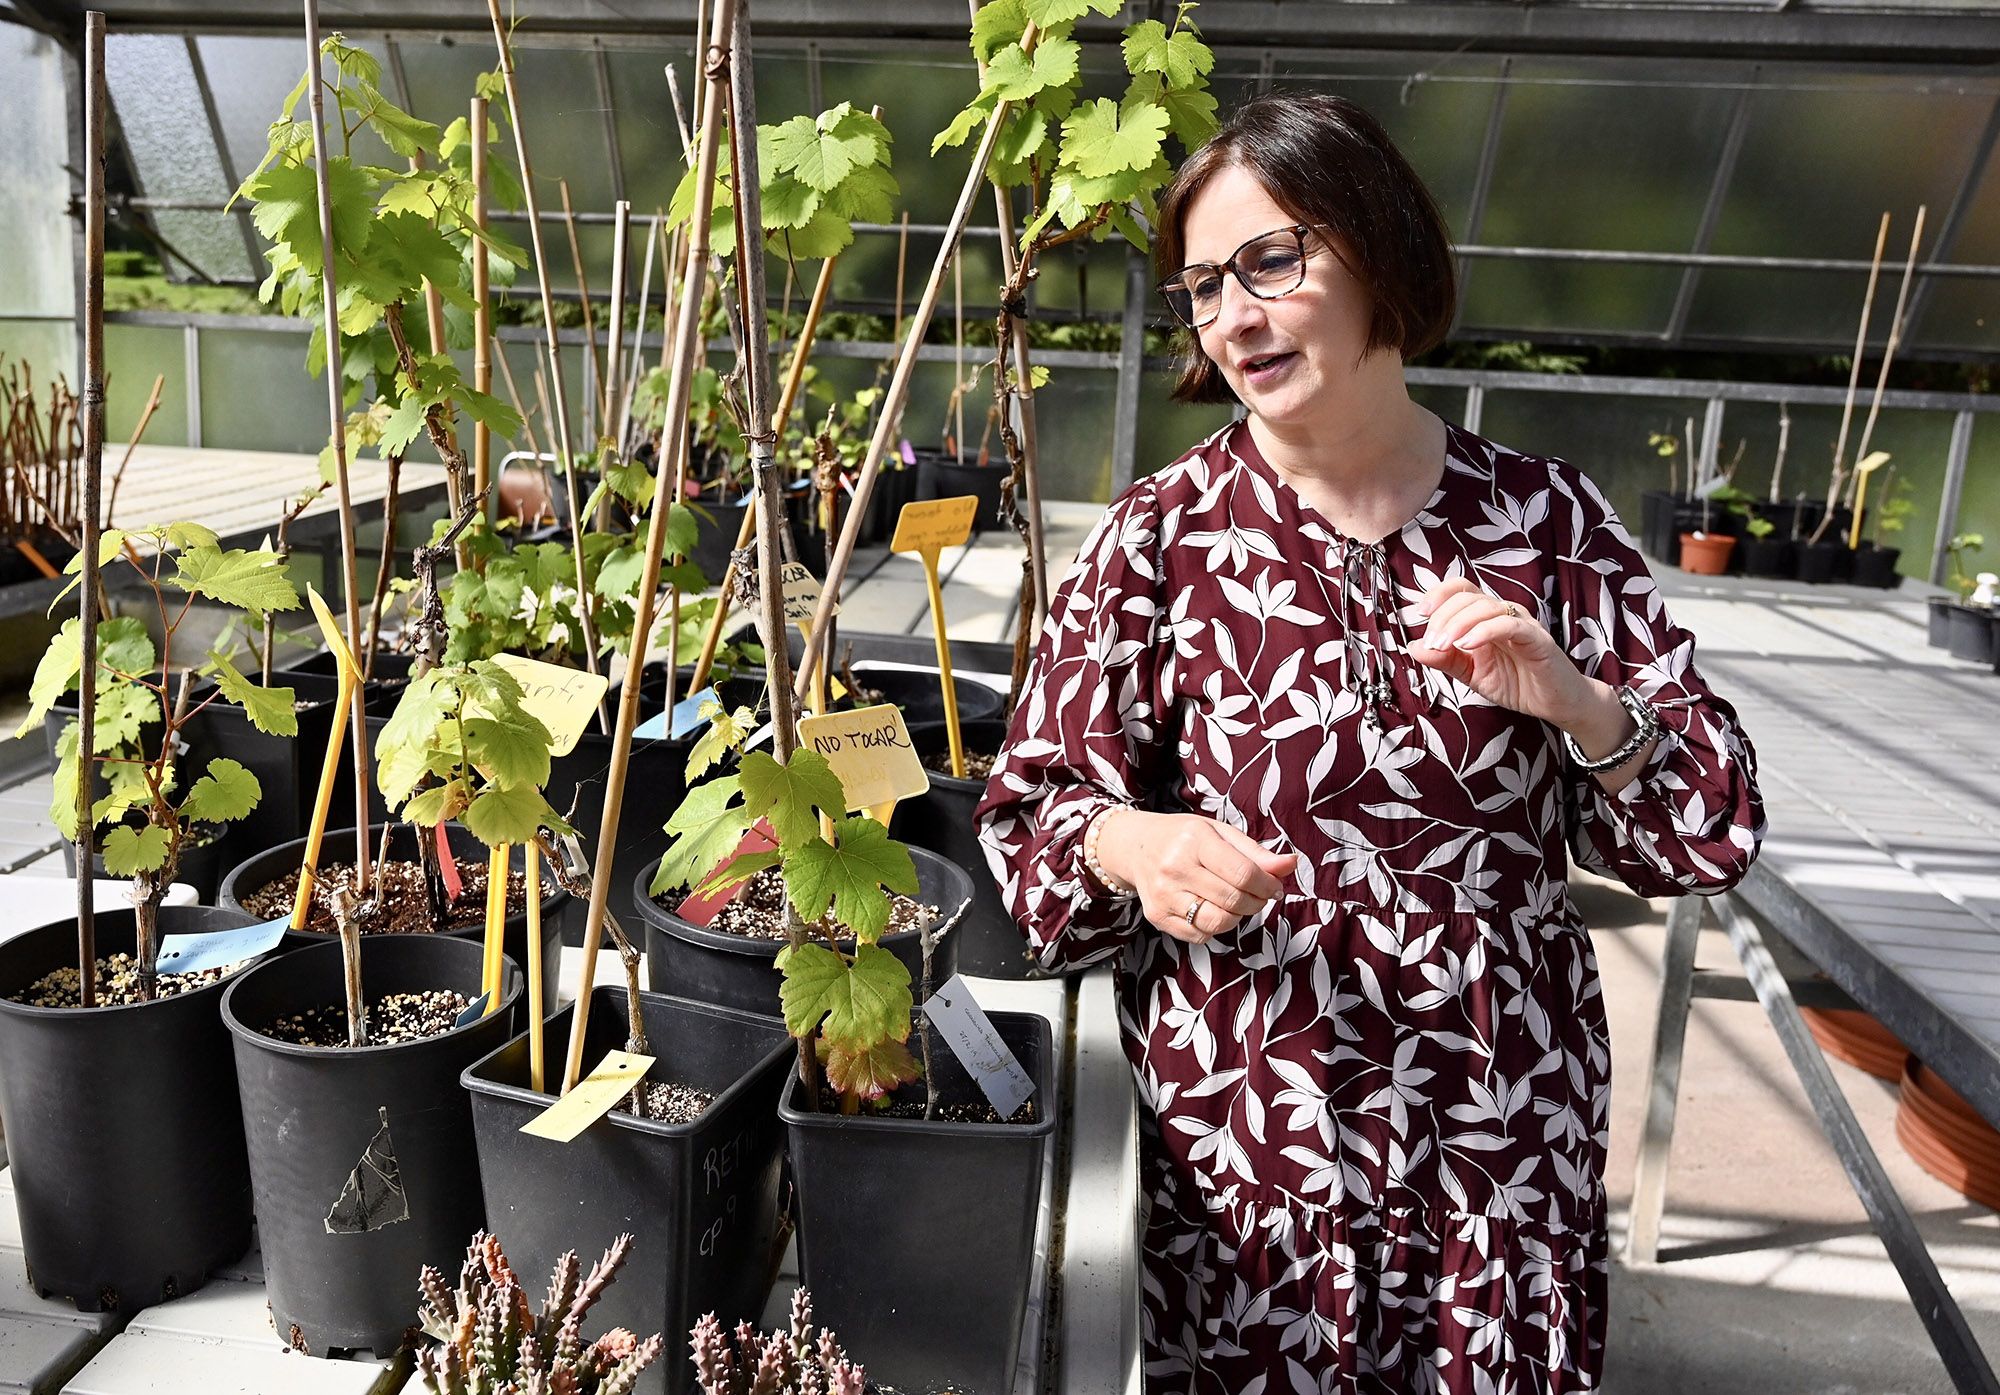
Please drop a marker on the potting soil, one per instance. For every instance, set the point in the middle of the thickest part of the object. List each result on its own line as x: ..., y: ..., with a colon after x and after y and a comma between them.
x: 395, y: 1018
x: 117, y: 984
x: 977, y: 766
x: 401, y: 907
x: 669, y: 1102
x: 965, y: 1112
x: 758, y: 912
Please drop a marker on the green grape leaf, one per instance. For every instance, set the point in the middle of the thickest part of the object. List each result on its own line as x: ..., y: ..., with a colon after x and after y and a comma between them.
x: 272, y: 711
x: 973, y: 118
x: 489, y: 411
x: 402, y: 132
x: 620, y: 571
x: 511, y: 815
x: 868, y: 1072
x: 1098, y: 140
x: 408, y: 248
x: 247, y: 580
x: 1015, y: 75
x: 1024, y: 134
x: 850, y: 877
x: 404, y: 425
x: 130, y: 851
x: 226, y: 793
x: 510, y: 753
x: 737, y: 871
x: 435, y: 805
x: 726, y: 731
x: 420, y: 192
x: 60, y: 665
x: 402, y: 753
x: 1190, y: 114
x: 706, y: 828
x: 1181, y: 57
x: 863, y: 1003
x: 825, y: 235
x: 1051, y: 12
x: 788, y: 203
x: 287, y: 211
x: 868, y: 195
x: 788, y: 795
x: 996, y: 24
x: 123, y: 710
x: 123, y: 645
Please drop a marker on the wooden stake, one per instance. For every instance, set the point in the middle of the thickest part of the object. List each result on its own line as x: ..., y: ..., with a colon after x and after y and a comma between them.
x: 335, y: 394
x: 667, y: 490
x: 630, y: 388
x: 621, y: 234
x: 549, y: 323
x: 899, y: 382
x: 1889, y: 349
x: 93, y: 484
x: 482, y: 313
x: 1839, y: 475
x: 591, y: 366
x: 536, y: 1026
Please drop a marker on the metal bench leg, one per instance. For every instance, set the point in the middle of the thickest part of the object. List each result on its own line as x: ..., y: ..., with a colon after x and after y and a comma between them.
x: 1649, y: 1180
x: 1963, y: 1360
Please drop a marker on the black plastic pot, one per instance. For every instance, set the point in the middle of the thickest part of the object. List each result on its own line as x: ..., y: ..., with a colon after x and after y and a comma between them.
x: 389, y: 668
x: 309, y: 1115
x: 1876, y: 566
x: 1937, y: 628
x: 989, y: 941
x: 700, y: 1199
x: 717, y: 539
x: 1771, y: 556
x: 655, y: 784
x: 558, y: 907
x: 940, y: 476
x: 1822, y: 562
x: 711, y: 966
x: 921, y: 696
x: 1970, y: 634
x: 917, y: 1238
x: 123, y: 1135
x: 201, y: 865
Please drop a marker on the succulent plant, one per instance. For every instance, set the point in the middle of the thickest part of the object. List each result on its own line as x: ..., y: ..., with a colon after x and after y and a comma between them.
x: 796, y: 1362
x: 493, y: 1341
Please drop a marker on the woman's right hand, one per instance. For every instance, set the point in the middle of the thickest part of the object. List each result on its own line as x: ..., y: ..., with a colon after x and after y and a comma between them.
x: 1174, y: 858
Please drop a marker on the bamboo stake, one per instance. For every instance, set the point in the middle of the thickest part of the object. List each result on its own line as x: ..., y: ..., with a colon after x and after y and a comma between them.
x: 666, y: 491
x: 621, y: 235
x: 591, y: 367
x: 1889, y: 350
x: 958, y: 359
x: 93, y: 483
x: 549, y: 323
x: 630, y: 388
x: 482, y: 313
x: 899, y: 382
x: 350, y: 584
x: 520, y: 408
x: 1833, y: 488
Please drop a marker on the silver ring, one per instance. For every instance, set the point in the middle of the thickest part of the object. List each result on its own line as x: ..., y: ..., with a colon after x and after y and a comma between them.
x: 1193, y: 910
x: 1515, y: 610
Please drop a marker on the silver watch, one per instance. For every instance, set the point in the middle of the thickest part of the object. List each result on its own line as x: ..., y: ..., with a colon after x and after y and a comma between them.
x: 1649, y: 727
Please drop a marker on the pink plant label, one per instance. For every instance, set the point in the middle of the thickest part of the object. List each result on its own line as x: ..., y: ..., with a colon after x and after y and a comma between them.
x: 454, y: 885
x: 701, y: 910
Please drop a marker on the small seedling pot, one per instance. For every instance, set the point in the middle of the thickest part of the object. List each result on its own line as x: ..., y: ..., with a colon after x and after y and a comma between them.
x: 1770, y: 556
x: 123, y: 1136
x: 917, y: 1237
x: 1937, y: 627
x: 990, y: 943
x: 1822, y: 562
x: 250, y: 877
x: 700, y: 1199
x: 712, y: 966
x: 310, y: 1114
x: 1876, y: 566
x: 1970, y: 634
x: 1706, y: 554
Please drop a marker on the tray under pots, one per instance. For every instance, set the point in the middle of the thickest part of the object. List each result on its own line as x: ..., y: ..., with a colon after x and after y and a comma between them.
x: 712, y: 966
x: 917, y: 1237
x: 311, y: 1117
x: 700, y: 1199
x: 990, y: 943
x: 124, y: 1140
x: 558, y: 907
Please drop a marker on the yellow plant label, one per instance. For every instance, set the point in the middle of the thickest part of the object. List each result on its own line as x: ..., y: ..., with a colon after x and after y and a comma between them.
x: 329, y: 630
x: 608, y: 1082
x: 561, y: 699
x: 801, y: 591
x: 870, y: 751
x: 931, y: 525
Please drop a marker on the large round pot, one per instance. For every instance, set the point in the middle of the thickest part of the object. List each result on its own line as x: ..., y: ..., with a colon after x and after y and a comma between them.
x: 1876, y: 566
x: 1970, y: 634
x: 990, y: 943
x: 1706, y: 554
x: 247, y: 878
x: 123, y: 1137
x: 940, y: 476
x: 920, y: 695
x: 310, y: 1114
x: 710, y: 966
x: 716, y: 535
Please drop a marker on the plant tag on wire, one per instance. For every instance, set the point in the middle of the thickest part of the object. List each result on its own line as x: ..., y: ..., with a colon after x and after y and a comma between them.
x: 594, y: 1097
x: 931, y: 525
x: 970, y: 1034
x: 801, y: 592
x: 213, y: 949
x: 869, y: 749
x: 561, y: 699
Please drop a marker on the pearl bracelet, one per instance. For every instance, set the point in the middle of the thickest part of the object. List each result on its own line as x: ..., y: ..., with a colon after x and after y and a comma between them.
x: 1090, y: 836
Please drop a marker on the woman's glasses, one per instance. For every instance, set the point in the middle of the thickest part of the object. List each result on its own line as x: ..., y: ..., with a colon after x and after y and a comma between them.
x: 1270, y: 265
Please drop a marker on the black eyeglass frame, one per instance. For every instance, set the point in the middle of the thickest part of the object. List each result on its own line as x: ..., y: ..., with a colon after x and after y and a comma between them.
x: 1298, y: 230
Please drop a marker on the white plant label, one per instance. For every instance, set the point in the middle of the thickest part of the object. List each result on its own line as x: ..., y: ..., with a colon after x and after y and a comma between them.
x: 970, y: 1034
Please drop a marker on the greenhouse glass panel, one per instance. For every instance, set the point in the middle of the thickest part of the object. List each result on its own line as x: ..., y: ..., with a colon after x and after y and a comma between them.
x: 35, y: 275
x: 256, y: 393
x: 561, y: 109
x: 1979, y: 504
x: 1508, y: 295
x: 1961, y: 313
x: 1818, y: 308
x: 133, y: 356
x: 1605, y: 437
x: 921, y: 90
x: 1169, y: 429
x: 249, y: 78
x: 649, y: 143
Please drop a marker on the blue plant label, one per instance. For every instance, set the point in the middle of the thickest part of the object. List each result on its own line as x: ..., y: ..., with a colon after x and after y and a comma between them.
x: 212, y: 949
x: 970, y: 1034
x: 687, y: 712
x: 474, y: 1012
x: 654, y: 728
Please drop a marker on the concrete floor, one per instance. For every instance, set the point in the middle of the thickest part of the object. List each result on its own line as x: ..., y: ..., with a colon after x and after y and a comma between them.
x: 1771, y: 1280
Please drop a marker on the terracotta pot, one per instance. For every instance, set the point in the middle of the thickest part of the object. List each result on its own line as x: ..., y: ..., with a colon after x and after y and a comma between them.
x: 1706, y: 554
x: 1947, y: 1137
x: 1859, y: 1040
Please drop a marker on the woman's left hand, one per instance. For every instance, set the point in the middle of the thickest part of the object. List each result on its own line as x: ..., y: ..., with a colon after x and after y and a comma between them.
x: 1500, y: 651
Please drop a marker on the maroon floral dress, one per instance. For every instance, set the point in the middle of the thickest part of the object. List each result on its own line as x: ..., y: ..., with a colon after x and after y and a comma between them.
x: 1375, y: 1152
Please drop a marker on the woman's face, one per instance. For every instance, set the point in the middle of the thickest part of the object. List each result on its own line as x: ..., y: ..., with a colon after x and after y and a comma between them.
x: 1280, y: 356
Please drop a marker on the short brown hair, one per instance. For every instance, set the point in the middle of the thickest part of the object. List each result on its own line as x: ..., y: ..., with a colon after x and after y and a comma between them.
x: 1325, y: 160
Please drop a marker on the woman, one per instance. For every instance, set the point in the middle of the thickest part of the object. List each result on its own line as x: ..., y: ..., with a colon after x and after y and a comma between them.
x: 1303, y: 747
